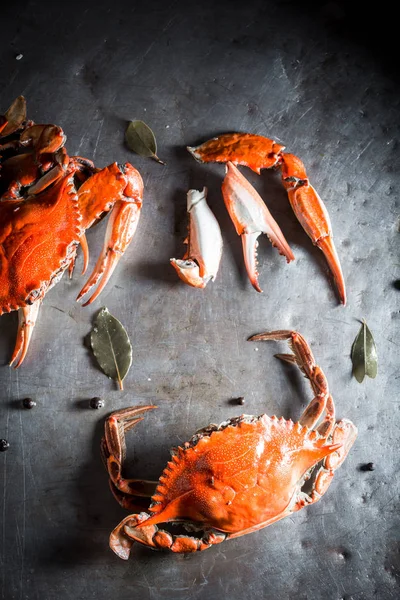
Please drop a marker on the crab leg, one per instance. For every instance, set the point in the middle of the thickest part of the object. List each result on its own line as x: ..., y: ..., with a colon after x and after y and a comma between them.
x: 122, y: 189
x: 131, y: 503
x: 26, y: 322
x: 304, y: 358
x: 201, y: 261
x: 113, y: 450
x: 85, y: 251
x: 251, y: 218
x: 312, y: 215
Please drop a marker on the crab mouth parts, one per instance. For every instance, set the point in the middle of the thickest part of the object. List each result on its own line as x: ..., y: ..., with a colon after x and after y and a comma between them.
x: 182, y: 527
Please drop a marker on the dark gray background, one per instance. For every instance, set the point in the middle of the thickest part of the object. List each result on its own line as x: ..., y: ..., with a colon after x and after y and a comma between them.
x: 321, y: 79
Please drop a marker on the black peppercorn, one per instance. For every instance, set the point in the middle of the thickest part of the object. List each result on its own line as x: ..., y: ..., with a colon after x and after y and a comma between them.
x: 368, y: 467
x: 96, y: 403
x: 28, y: 403
x: 4, y: 445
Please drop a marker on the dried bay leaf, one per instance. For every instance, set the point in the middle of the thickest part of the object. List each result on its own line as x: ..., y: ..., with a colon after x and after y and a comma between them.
x: 111, y: 346
x: 363, y: 354
x: 141, y: 139
x: 15, y: 115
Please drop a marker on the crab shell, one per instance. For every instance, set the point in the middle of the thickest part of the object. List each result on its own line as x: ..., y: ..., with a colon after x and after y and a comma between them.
x: 239, y: 476
x: 30, y: 260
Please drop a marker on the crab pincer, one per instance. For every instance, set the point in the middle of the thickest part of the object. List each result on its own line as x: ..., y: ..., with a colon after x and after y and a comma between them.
x: 118, y: 188
x: 204, y: 251
x: 251, y: 218
x: 312, y: 215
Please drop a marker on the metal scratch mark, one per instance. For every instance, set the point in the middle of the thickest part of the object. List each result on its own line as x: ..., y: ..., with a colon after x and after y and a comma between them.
x: 4, y: 508
x: 304, y: 113
x: 189, y: 403
x: 98, y: 139
x: 284, y: 72
x: 362, y: 151
x: 237, y: 338
x: 24, y: 507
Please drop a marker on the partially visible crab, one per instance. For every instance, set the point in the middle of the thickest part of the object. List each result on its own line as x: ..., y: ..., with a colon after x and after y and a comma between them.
x: 231, y: 479
x: 47, y: 201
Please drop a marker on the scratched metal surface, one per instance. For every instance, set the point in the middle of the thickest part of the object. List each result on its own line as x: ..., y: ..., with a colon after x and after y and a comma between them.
x: 191, y: 71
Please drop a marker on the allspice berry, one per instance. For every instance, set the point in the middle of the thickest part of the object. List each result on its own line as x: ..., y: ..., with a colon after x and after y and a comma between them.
x: 96, y: 403
x: 28, y: 403
x: 4, y: 445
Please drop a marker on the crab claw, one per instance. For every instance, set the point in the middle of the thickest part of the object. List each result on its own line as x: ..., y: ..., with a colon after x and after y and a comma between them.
x: 201, y: 261
x: 189, y: 271
x: 251, y: 218
x: 121, y: 543
x: 121, y: 187
x: 312, y: 215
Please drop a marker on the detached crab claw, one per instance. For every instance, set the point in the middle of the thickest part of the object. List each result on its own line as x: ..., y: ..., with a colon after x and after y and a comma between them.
x: 312, y: 215
x: 251, y: 218
x: 258, y: 152
x: 201, y: 261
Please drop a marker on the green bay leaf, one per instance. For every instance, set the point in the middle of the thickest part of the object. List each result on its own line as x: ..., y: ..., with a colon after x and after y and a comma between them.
x: 141, y: 139
x: 111, y: 346
x: 364, y: 355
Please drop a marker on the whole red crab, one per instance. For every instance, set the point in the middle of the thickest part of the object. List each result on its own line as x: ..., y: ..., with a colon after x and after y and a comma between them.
x: 235, y: 478
x: 47, y: 201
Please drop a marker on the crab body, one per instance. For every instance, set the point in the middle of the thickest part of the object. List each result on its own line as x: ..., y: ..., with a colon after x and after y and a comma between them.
x: 235, y: 478
x: 48, y: 200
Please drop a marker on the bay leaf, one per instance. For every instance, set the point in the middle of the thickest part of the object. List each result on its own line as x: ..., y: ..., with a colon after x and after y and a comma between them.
x: 15, y: 115
x: 364, y: 355
x: 111, y: 346
x: 141, y: 139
